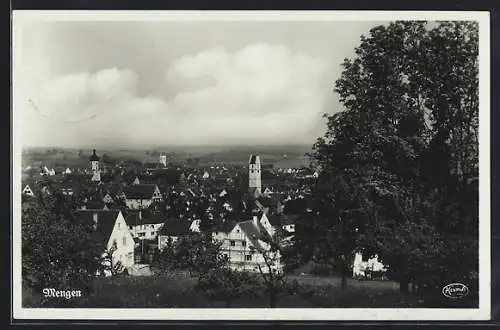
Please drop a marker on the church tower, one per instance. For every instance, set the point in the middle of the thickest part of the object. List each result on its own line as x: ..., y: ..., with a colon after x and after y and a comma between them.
x: 94, y: 165
x: 254, y: 174
x: 163, y: 159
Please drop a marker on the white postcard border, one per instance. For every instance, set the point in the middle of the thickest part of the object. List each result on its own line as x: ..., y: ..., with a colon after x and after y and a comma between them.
x: 358, y: 314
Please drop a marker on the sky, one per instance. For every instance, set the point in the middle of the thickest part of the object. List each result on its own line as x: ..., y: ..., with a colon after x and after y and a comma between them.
x: 160, y: 83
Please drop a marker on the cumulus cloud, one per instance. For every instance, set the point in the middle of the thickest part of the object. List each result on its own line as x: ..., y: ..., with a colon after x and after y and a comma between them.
x: 259, y: 94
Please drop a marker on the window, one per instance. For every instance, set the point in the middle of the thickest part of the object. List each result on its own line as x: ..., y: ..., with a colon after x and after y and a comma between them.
x: 124, y: 241
x: 244, y: 243
x: 142, y: 234
x: 248, y: 257
x: 233, y: 243
x: 118, y: 225
x: 237, y: 230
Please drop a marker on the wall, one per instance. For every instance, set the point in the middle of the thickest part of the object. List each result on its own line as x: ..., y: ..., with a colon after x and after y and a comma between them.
x: 135, y: 204
x: 147, y: 231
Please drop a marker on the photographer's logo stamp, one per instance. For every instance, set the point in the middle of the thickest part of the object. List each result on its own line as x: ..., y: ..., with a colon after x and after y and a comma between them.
x: 455, y: 290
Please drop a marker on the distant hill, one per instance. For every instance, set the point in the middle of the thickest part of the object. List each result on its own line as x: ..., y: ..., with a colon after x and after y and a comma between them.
x: 279, y: 156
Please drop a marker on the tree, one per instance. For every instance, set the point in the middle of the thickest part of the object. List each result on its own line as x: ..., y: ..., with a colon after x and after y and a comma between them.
x: 57, y: 251
x: 111, y: 265
x: 197, y: 253
x: 202, y: 257
x: 405, y: 147
x: 227, y: 285
x: 274, y: 278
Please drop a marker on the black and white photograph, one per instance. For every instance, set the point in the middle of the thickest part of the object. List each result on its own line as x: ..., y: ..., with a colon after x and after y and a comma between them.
x: 251, y: 165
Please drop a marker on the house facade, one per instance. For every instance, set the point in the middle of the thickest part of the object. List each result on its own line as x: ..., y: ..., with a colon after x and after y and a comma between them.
x: 141, y: 196
x: 27, y: 191
x: 246, y: 245
x: 144, y: 226
x: 111, y: 230
x: 124, y: 242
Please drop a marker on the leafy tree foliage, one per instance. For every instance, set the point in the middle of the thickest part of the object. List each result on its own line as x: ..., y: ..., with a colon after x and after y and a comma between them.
x: 399, y: 163
x: 227, y: 285
x: 57, y: 251
x: 111, y: 265
x: 276, y: 282
x: 197, y: 253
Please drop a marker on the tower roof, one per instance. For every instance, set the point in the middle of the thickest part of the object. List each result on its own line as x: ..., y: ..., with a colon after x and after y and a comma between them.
x: 94, y: 157
x: 253, y: 159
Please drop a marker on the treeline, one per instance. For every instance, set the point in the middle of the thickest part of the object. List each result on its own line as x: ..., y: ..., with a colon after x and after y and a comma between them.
x: 399, y: 164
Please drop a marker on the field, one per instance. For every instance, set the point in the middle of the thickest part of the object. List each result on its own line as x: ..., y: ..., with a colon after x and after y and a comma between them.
x: 279, y: 156
x: 177, y: 291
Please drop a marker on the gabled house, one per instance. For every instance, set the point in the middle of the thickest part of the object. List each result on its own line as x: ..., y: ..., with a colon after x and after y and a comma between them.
x: 145, y: 225
x: 141, y: 196
x: 28, y: 191
x: 246, y: 244
x: 108, y: 199
x: 173, y: 230
x: 112, y: 233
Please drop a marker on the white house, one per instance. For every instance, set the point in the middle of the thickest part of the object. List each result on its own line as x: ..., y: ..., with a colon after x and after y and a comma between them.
x: 111, y: 230
x: 27, y: 191
x: 363, y: 267
x: 141, y: 196
x: 205, y: 175
x: 145, y: 225
x: 246, y: 244
x: 195, y: 226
